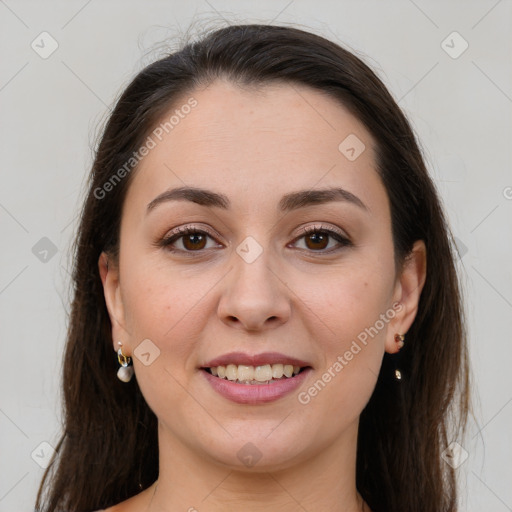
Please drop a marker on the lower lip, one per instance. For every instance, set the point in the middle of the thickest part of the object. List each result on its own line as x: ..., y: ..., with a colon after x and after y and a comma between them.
x: 256, y: 393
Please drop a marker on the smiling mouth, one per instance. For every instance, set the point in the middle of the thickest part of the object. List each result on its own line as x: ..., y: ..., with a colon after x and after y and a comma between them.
x: 254, y: 375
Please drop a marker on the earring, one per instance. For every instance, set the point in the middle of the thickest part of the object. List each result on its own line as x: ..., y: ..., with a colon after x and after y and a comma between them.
x: 399, y: 340
x: 125, y: 372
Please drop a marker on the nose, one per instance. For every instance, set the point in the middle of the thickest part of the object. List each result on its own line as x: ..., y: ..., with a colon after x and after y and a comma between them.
x: 254, y: 297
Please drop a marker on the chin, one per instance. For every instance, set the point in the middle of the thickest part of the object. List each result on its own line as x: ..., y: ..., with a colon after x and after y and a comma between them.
x: 255, y: 451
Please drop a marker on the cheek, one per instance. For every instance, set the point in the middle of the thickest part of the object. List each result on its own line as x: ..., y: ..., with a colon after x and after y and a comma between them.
x: 162, y: 303
x: 348, y: 301
x: 163, y: 307
x: 348, y: 322
x: 172, y: 309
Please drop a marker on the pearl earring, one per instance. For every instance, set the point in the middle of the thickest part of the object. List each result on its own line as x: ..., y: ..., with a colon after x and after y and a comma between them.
x: 125, y: 372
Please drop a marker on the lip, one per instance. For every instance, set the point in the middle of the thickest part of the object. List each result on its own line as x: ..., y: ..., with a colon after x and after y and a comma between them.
x: 254, y: 360
x: 255, y: 393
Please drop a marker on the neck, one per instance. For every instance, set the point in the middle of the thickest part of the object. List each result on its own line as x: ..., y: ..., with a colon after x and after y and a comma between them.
x: 188, y: 481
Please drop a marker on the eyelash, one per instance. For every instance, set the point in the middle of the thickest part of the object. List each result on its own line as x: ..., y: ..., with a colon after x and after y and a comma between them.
x: 307, y: 231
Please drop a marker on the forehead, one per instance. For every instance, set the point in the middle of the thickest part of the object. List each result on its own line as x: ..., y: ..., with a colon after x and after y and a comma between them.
x: 251, y: 142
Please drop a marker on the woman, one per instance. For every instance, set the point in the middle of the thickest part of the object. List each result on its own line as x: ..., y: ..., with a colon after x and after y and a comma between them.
x: 266, y: 312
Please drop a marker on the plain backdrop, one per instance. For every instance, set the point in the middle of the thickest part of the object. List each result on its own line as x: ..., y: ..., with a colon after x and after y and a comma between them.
x: 449, y: 66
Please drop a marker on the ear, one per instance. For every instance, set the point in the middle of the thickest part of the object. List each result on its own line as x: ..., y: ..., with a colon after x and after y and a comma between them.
x: 408, y: 288
x: 109, y: 273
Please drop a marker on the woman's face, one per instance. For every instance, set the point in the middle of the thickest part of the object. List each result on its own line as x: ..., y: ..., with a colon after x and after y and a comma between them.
x: 247, y: 286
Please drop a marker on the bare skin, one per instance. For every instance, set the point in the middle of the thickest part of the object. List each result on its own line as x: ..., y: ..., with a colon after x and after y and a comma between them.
x: 303, y: 296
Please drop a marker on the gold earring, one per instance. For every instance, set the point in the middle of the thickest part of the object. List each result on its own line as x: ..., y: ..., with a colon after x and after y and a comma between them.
x: 399, y: 340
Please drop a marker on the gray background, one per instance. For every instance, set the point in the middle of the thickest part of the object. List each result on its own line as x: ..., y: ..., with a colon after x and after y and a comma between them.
x: 51, y: 109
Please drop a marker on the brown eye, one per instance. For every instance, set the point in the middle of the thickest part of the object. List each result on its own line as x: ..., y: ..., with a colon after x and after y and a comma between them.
x: 194, y: 241
x: 187, y: 240
x: 319, y: 240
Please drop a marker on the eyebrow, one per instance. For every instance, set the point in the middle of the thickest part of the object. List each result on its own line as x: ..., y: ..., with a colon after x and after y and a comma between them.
x: 289, y: 202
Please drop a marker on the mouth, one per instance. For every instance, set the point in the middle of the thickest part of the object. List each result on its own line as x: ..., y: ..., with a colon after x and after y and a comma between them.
x: 255, y: 375
x: 255, y: 379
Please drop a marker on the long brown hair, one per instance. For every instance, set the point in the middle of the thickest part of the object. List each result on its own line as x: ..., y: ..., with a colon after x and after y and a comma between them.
x: 108, y: 451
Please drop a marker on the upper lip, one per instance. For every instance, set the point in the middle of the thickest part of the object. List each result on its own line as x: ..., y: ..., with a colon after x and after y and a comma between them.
x: 241, y: 358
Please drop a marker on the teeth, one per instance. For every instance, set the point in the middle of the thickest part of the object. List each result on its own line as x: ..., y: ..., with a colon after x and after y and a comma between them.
x: 277, y: 371
x: 231, y: 372
x: 254, y: 374
x: 245, y: 372
x: 263, y: 373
